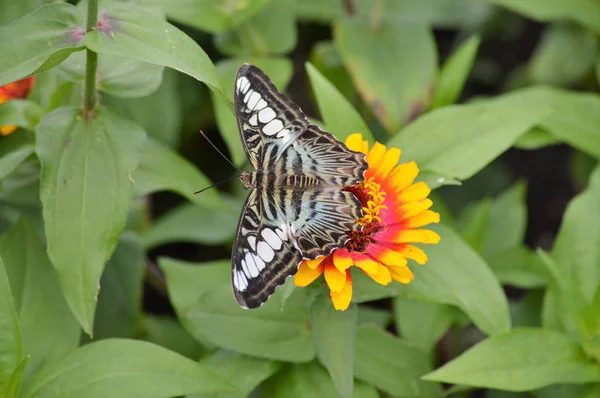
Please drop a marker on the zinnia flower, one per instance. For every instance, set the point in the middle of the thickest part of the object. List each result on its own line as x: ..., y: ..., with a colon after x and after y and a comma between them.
x: 394, y: 209
x: 15, y: 90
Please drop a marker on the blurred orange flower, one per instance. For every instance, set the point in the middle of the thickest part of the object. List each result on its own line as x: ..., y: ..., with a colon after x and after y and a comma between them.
x: 394, y: 209
x: 15, y: 90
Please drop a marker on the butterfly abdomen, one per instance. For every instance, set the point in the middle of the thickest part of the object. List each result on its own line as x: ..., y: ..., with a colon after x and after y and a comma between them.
x: 301, y: 181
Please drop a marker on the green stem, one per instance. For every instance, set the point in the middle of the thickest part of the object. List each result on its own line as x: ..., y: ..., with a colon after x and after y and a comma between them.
x: 91, y: 64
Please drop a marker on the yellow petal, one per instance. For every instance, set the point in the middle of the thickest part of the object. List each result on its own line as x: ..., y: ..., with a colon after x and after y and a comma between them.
x: 354, y: 142
x: 375, y: 155
x: 416, y: 236
x: 403, y: 176
x: 334, y: 278
x: 383, y: 277
x: 401, y: 274
x: 341, y: 300
x: 342, y: 259
x: 305, y: 275
x: 387, y: 256
x: 417, y: 191
x: 365, y: 263
x: 414, y: 253
x: 426, y: 217
x: 313, y: 264
x: 411, y: 209
x: 387, y: 164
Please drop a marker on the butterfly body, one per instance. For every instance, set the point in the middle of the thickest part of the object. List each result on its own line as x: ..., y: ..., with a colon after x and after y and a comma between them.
x: 297, y: 207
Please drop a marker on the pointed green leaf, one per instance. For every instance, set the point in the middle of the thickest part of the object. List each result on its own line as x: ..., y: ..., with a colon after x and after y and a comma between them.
x: 334, y: 333
x: 520, y: 360
x: 507, y: 220
x: 11, y: 343
x: 39, y: 41
x: 49, y: 329
x: 126, y: 368
x: 130, y: 32
x: 86, y: 187
x: 473, y: 222
x: 454, y: 73
x: 339, y: 115
x: 13, y: 387
x: 14, y: 149
x: 536, y: 138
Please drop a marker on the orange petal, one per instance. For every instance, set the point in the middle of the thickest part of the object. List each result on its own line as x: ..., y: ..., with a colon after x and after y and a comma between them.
x: 417, y: 191
x: 426, y: 217
x: 401, y: 274
x: 375, y: 155
x: 6, y: 130
x: 365, y: 263
x: 387, y: 256
x: 415, y: 236
x: 414, y: 253
x: 415, y: 207
x: 341, y: 300
x: 403, y: 176
x: 342, y: 259
x: 306, y: 275
x: 389, y: 161
x: 313, y: 264
x: 335, y: 278
x: 383, y: 277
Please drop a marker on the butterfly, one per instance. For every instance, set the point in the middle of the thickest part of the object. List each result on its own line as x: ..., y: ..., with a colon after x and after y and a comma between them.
x: 297, y: 208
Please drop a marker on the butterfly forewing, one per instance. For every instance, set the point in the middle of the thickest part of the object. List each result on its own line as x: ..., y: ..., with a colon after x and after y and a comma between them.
x: 297, y: 207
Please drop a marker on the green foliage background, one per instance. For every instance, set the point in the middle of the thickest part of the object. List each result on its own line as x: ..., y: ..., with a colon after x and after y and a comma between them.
x: 90, y: 242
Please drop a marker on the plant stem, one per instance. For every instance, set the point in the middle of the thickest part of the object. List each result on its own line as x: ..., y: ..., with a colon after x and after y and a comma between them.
x: 91, y: 64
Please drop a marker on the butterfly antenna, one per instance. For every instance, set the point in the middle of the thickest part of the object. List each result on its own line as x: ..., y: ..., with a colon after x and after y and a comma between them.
x: 218, y: 183
x: 220, y: 153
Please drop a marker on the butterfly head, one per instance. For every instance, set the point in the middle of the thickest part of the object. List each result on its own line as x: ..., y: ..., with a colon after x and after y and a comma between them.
x: 247, y: 179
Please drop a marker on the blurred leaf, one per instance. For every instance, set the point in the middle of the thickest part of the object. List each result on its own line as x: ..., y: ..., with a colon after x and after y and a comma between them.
x: 159, y: 113
x: 39, y: 41
x: 192, y: 223
x: 13, y: 387
x: 11, y: 342
x: 392, y: 65
x: 421, y: 323
x: 206, y: 307
x: 83, y: 220
x: 535, y: 138
x: 120, y: 298
x: 373, y: 315
x: 473, y: 223
x: 564, y: 55
x: 168, y: 333
x: 126, y: 368
x: 526, y: 312
x: 582, y: 166
x: 339, y: 116
x: 130, y: 32
x: 117, y: 76
x: 49, y: 329
x: 245, y: 373
x: 518, y: 266
x: 598, y: 69
x: 271, y: 31
x: 584, y: 12
x: 279, y: 71
x: 334, y: 333
x: 12, y: 10
x: 455, y: 72
x: 392, y: 364
x: 459, y: 140
x: 569, y: 391
x: 163, y: 169
x: 14, y: 149
x: 520, y: 360
x: 434, y: 180
x: 325, y: 57
x: 21, y: 113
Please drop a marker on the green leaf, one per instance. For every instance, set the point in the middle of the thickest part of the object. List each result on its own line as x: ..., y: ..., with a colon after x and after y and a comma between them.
x: 564, y: 56
x: 536, y: 138
x: 206, y: 307
x: 49, y: 329
x: 520, y: 360
x: 127, y: 368
x: 393, y: 66
x: 421, y: 323
x: 117, y: 76
x: 473, y: 223
x: 459, y: 140
x: 372, y: 315
x: 279, y: 71
x: 21, y: 113
x: 526, y: 312
x: 120, y: 298
x: 584, y: 12
x: 11, y: 342
x: 245, y: 373
x: 130, y: 32
x: 192, y: 223
x: 12, y: 10
x: 39, y: 41
x: 392, y: 364
x: 164, y: 169
x: 14, y: 149
x: 518, y: 266
x: 86, y: 188
x: 168, y: 333
x: 13, y: 387
x: 334, y: 333
x: 339, y: 115
x: 271, y: 31
x: 455, y: 72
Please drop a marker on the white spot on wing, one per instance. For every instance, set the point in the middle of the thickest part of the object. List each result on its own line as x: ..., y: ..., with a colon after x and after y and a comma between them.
x: 266, y: 115
x: 271, y: 238
x: 280, y: 233
x: 265, y: 251
x: 254, y: 97
x: 284, y: 134
x: 245, y: 267
x: 273, y: 127
x: 247, y: 96
x: 239, y: 280
x: 252, y: 242
x: 250, y: 260
x: 253, y: 120
x: 260, y: 264
x: 260, y: 104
